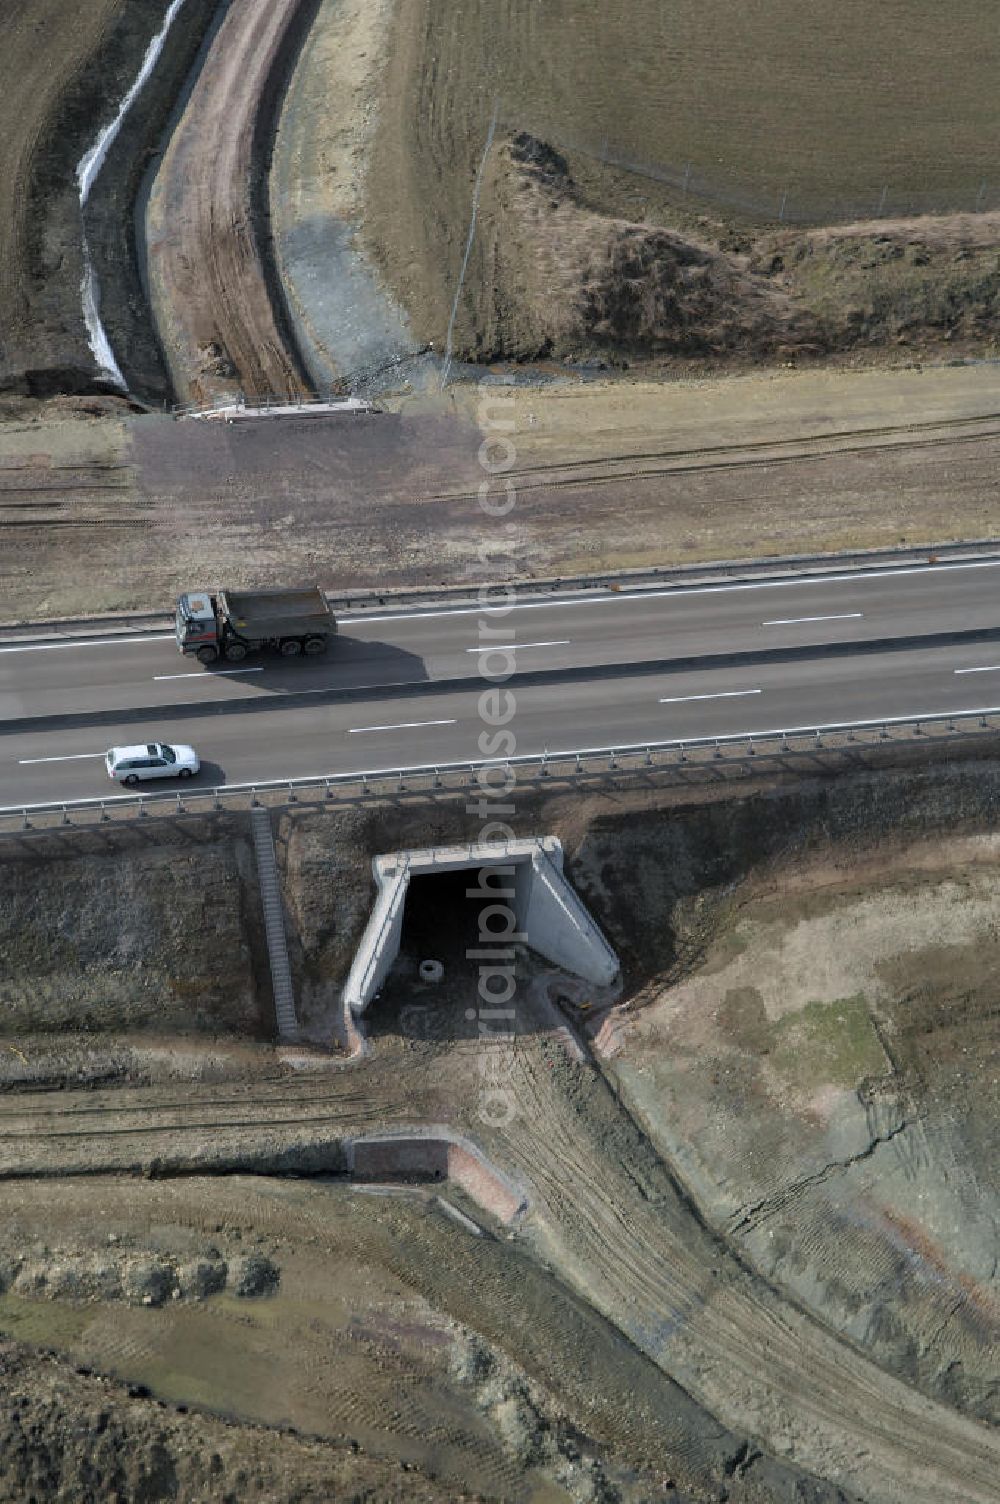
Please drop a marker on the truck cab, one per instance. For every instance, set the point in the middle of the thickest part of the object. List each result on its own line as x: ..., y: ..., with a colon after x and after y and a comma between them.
x: 196, y: 626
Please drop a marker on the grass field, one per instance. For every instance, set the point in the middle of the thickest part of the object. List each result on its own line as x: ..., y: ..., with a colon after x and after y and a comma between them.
x: 831, y: 105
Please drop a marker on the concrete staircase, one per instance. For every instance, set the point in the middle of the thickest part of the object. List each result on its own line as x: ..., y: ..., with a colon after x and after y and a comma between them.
x: 274, y: 925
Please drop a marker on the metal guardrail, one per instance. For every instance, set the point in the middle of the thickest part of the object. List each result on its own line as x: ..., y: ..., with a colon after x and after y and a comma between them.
x: 568, y: 766
x: 714, y: 571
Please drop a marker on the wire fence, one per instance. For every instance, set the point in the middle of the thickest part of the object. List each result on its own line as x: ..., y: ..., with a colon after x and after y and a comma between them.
x: 783, y: 199
x: 708, y: 756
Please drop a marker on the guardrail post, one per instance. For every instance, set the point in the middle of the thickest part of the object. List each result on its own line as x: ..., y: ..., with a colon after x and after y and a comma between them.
x: 292, y: 796
x: 918, y: 729
x: 438, y: 783
x: 143, y: 811
x: 25, y: 822
x: 364, y: 785
x: 543, y: 771
x: 327, y: 790
x: 216, y: 799
x: 613, y: 764
x: 683, y: 751
x: 784, y: 741
x: 104, y: 813
x: 751, y: 749
x: 951, y: 724
x: 65, y: 817
x: 402, y: 786
x: 883, y: 734
x: 649, y: 758
x: 718, y: 749
x: 819, y: 737
x: 984, y: 723
x: 254, y: 801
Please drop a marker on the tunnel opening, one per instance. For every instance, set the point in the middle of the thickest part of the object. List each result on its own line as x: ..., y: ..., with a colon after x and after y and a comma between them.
x: 441, y: 920
x: 445, y: 920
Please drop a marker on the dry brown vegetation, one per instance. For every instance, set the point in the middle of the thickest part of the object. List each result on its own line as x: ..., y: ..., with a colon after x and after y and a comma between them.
x: 594, y: 260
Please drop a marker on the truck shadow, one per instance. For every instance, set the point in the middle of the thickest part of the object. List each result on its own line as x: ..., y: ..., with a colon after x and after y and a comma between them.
x: 348, y: 663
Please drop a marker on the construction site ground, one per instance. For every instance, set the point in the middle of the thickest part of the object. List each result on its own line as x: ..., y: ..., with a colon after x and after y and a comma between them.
x: 775, y: 1144
x: 101, y: 512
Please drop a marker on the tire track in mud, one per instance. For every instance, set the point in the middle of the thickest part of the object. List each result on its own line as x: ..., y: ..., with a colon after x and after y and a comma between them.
x: 211, y: 285
x: 656, y: 464
x: 605, y: 1212
x: 743, y: 1351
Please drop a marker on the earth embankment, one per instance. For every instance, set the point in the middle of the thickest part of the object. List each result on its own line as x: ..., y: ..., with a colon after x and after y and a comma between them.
x: 670, y: 164
x: 772, y: 1070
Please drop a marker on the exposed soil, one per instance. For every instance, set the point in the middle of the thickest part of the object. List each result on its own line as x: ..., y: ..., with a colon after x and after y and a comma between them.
x: 829, y: 1103
x: 554, y: 276
x: 219, y: 320
x: 125, y: 937
x: 102, y: 513
x: 69, y: 1436
x: 62, y: 64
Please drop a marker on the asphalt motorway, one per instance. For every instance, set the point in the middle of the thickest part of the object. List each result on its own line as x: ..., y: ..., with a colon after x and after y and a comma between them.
x: 596, y: 630
x: 442, y: 725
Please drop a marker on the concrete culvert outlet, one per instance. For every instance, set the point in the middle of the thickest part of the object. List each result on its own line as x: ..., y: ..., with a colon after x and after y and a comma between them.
x: 459, y: 900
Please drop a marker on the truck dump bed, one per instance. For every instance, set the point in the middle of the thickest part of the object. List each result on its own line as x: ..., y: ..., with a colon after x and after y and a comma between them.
x: 270, y: 613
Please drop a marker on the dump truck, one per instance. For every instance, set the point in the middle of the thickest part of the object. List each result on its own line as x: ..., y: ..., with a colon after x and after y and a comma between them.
x: 232, y: 623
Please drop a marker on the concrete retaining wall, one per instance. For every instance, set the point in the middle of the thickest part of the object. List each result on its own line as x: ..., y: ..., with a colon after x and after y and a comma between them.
x: 550, y: 917
x: 437, y: 1154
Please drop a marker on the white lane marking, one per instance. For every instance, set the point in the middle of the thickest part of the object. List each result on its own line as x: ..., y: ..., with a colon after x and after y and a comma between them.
x: 794, y: 621
x: 521, y: 757
x: 597, y: 599
x: 69, y: 757
x: 401, y: 726
x: 99, y: 642
x: 516, y: 647
x: 723, y: 694
x: 993, y: 668
x: 210, y: 675
x: 677, y: 592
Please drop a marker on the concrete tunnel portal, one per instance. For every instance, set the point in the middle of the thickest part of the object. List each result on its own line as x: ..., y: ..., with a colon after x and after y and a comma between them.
x: 445, y: 901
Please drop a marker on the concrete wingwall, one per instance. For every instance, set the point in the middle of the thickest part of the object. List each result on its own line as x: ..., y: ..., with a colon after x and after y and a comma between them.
x: 556, y: 923
x: 549, y: 915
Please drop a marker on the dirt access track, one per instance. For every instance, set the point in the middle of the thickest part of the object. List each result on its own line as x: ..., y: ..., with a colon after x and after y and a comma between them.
x: 216, y: 311
x: 609, y: 1208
